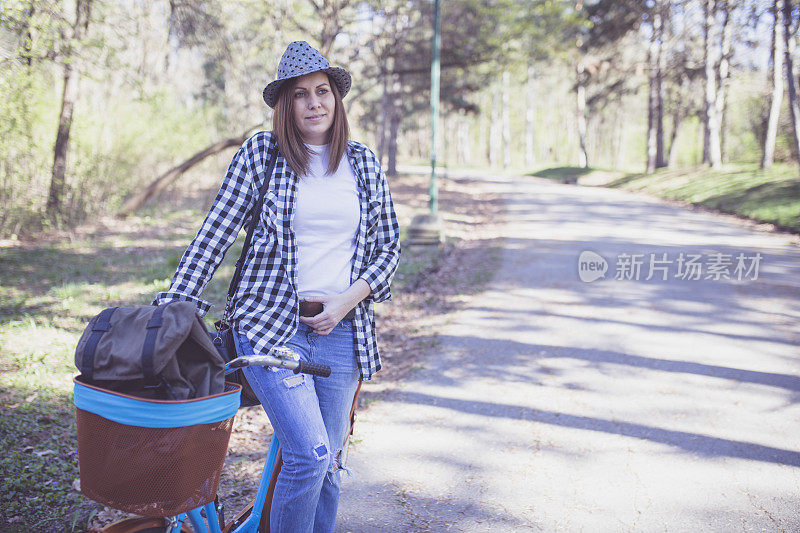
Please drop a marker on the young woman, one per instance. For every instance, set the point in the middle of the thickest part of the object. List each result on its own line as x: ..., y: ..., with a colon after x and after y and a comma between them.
x: 324, y: 251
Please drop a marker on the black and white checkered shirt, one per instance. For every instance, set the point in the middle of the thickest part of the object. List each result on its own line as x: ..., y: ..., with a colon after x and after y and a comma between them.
x: 265, y: 307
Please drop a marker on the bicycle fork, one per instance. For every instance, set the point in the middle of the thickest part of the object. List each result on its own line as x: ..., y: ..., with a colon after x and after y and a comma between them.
x: 244, y: 524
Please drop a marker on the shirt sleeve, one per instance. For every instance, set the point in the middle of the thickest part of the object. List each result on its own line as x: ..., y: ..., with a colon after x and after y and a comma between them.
x: 381, y: 268
x: 218, y: 231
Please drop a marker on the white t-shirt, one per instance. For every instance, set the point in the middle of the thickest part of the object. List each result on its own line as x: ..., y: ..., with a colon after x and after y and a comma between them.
x: 326, y: 219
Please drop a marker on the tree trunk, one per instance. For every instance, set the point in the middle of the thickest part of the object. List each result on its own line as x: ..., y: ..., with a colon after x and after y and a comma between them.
x: 530, y: 119
x: 394, y: 127
x: 724, y: 73
x: 789, y: 43
x: 463, y: 139
x: 583, y: 157
x: 485, y: 126
x: 330, y: 13
x: 654, y: 110
x: 712, y: 152
x: 494, y: 134
x: 384, y: 117
x: 69, y: 94
x: 27, y: 46
x: 506, y: 120
x: 164, y: 180
x: 776, y: 78
x: 619, y: 136
x: 663, y: 11
x: 672, y: 158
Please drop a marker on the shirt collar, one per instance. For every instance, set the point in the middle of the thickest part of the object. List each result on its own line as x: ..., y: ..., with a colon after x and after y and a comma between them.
x: 354, y: 148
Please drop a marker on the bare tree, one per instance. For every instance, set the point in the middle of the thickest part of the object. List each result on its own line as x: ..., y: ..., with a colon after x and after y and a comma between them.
x: 776, y: 81
x: 655, y: 106
x: 162, y: 182
x: 69, y: 94
x: 505, y: 119
x: 724, y: 71
x: 789, y: 45
x: 530, y: 117
x: 580, y: 93
x: 712, y: 150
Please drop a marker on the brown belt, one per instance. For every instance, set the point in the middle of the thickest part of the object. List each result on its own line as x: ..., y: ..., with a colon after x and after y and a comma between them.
x: 315, y: 308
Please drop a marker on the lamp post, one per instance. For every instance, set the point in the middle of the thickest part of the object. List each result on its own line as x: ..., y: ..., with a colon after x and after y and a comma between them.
x: 427, y: 228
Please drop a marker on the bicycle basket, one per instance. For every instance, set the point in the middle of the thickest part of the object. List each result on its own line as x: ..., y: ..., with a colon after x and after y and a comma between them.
x: 152, y: 457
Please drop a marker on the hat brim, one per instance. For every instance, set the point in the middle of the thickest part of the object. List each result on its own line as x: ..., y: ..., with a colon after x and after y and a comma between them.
x: 339, y: 75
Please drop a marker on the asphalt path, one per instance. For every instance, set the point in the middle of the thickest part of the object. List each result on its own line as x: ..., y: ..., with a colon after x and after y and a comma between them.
x: 555, y: 403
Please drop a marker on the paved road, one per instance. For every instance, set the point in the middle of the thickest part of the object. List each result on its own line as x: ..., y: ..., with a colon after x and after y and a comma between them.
x: 553, y: 404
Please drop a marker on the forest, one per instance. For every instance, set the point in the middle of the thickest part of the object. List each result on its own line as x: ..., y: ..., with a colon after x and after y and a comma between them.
x: 105, y: 103
x: 118, y: 119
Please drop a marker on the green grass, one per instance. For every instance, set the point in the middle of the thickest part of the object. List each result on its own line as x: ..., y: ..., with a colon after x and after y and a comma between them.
x: 48, y: 292
x: 562, y: 173
x: 767, y: 196
x: 771, y: 196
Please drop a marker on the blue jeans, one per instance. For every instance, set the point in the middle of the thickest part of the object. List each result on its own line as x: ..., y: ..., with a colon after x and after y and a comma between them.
x: 310, y: 417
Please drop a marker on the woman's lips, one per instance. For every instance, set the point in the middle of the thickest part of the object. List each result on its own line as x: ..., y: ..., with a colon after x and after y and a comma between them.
x: 316, y: 118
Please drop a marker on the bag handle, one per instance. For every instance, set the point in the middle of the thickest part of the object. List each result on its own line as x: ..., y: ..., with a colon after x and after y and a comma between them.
x: 101, y: 325
x: 149, y: 347
x: 255, y: 215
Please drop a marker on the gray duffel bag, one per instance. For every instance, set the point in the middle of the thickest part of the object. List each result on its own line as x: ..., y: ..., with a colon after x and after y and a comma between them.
x: 157, y: 352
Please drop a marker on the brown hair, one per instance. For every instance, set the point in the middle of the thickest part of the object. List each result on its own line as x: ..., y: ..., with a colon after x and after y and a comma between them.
x: 290, y: 141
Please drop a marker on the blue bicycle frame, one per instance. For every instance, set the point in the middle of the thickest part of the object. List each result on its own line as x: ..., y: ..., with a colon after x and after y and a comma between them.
x: 250, y: 524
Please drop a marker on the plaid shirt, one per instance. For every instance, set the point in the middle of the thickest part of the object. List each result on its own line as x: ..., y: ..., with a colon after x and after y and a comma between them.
x: 266, y: 307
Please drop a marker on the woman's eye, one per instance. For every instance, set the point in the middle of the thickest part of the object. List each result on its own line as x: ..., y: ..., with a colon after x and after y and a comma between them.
x: 322, y: 91
x: 299, y: 94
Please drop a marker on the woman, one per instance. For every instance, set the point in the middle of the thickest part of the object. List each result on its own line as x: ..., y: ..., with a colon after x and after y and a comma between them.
x: 324, y: 251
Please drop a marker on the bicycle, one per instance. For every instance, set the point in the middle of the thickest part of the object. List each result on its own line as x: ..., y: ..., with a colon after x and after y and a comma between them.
x: 210, y: 518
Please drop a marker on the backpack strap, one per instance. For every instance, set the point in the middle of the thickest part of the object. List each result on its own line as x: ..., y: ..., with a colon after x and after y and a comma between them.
x: 150, y: 345
x: 255, y: 215
x: 101, y: 325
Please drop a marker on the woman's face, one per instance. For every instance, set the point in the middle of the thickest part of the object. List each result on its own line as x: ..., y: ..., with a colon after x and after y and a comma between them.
x: 313, y: 107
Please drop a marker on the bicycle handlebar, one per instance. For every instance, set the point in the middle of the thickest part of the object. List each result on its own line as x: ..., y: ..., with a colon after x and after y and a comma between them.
x: 284, y: 359
x: 315, y: 369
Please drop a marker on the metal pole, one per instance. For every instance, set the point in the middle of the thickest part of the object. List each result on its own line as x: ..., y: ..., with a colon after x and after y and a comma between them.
x: 433, y: 201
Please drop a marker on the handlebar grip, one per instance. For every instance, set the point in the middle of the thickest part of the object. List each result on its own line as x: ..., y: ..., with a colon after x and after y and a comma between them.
x: 313, y: 368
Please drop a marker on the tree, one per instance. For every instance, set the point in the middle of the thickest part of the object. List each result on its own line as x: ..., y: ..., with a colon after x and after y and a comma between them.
x: 400, y: 55
x: 788, y: 48
x: 69, y: 94
x: 776, y: 82
x: 608, y: 62
x: 712, y: 149
x: 655, y: 106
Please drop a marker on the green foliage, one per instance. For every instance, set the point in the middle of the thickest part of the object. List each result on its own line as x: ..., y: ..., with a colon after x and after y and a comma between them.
x: 768, y: 196
x: 118, y: 144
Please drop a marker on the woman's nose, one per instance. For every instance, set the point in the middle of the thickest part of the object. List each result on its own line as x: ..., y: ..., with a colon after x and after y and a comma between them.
x: 313, y: 102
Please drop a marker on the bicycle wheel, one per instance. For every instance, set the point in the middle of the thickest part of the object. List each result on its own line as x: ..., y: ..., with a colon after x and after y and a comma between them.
x: 140, y: 525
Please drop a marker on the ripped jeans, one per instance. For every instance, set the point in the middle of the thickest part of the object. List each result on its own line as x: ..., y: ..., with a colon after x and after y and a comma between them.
x: 310, y: 417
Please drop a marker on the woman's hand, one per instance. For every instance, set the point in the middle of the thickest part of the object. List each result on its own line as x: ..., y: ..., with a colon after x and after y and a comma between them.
x: 335, y: 307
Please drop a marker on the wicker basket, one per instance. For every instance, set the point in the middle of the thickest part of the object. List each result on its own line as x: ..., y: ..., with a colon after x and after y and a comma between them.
x: 152, y: 457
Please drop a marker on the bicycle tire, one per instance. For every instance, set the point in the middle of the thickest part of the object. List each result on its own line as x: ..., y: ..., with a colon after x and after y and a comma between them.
x: 140, y: 525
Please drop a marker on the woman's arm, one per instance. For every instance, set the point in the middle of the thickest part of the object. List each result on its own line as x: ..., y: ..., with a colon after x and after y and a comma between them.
x: 381, y: 268
x: 216, y: 234
x: 375, y: 280
x: 335, y: 307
